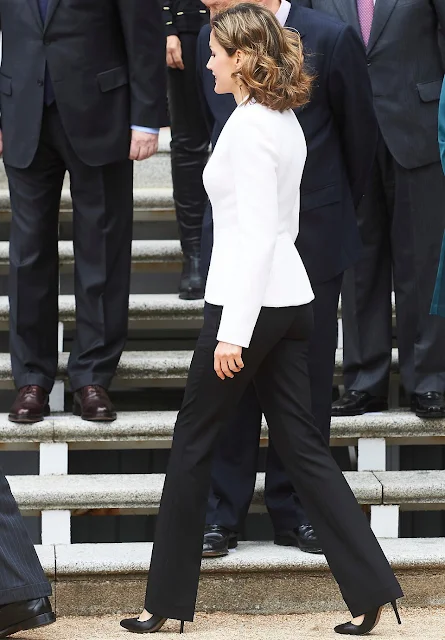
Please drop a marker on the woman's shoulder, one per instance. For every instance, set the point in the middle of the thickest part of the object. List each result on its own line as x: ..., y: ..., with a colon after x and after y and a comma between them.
x: 257, y: 116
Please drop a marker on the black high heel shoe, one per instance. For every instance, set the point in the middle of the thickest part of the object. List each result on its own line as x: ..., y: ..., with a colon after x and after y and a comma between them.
x: 371, y: 620
x: 149, y: 626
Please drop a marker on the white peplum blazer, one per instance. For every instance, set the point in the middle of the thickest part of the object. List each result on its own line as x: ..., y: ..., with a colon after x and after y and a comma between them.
x: 253, y: 181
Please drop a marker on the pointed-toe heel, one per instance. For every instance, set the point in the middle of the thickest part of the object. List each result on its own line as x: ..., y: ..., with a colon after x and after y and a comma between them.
x: 369, y: 623
x: 154, y: 624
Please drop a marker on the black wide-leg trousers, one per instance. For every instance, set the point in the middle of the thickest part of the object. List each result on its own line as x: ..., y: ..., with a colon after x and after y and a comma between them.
x: 21, y: 574
x: 102, y: 232
x: 276, y: 361
x: 235, y: 462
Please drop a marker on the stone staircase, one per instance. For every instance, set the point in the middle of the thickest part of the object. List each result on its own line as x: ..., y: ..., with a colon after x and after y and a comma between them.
x: 259, y: 577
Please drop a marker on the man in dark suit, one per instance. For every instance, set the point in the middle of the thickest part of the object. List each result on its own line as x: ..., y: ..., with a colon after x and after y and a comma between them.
x: 402, y: 215
x: 341, y: 133
x: 24, y: 589
x: 82, y: 89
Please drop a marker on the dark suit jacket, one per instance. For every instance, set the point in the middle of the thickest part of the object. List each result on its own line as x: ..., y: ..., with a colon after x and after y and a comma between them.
x: 406, y: 70
x: 106, y: 59
x: 341, y: 134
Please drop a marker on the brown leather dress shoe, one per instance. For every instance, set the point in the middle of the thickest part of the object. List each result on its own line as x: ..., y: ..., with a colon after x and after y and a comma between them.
x: 92, y: 403
x: 31, y: 405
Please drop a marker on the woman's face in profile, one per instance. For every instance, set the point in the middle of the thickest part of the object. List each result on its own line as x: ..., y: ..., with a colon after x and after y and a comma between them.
x: 222, y: 66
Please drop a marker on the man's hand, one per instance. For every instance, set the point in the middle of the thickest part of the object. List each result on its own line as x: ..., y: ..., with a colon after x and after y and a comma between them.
x: 174, y: 53
x: 143, y: 145
x: 227, y: 360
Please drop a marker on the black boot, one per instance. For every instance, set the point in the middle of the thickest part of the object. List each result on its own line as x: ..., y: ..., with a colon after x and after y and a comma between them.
x: 191, y: 286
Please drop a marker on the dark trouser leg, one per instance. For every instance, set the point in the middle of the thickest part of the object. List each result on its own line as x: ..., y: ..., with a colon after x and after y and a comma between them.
x: 354, y: 556
x: 34, y: 264
x: 21, y: 575
x: 208, y: 403
x: 189, y: 147
x: 235, y: 465
x: 357, y: 560
x: 322, y: 347
x: 284, y: 505
x: 417, y: 230
x: 102, y: 232
x: 366, y: 293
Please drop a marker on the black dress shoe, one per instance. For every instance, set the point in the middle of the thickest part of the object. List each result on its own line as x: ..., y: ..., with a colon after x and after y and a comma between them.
x: 303, y: 537
x: 22, y: 616
x: 356, y: 403
x: 428, y: 405
x: 93, y: 403
x: 191, y: 286
x: 370, y: 621
x: 217, y: 541
x: 31, y: 405
x: 154, y: 624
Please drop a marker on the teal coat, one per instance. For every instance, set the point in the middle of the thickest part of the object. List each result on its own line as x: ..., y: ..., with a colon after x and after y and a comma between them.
x: 438, y: 304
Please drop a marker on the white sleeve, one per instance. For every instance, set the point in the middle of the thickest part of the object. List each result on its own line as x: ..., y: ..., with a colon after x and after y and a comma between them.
x: 254, y: 160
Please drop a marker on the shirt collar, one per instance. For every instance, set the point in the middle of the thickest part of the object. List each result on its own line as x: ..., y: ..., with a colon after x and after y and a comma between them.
x: 283, y: 12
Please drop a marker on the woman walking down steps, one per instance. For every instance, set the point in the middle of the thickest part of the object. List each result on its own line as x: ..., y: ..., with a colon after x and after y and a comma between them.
x: 257, y: 324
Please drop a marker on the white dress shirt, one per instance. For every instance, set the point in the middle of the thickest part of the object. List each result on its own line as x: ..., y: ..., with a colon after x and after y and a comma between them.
x: 253, y: 182
x: 283, y: 12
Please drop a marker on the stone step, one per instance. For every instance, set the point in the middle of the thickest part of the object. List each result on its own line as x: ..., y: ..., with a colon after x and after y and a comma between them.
x: 154, y: 172
x: 143, y: 307
x: 411, y: 490
x: 146, y: 255
x: 156, y: 309
x: 159, y: 367
x: 150, y: 203
x: 123, y: 493
x: 258, y: 577
x: 154, y: 430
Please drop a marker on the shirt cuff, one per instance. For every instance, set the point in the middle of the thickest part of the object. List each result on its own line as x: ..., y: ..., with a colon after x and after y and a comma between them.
x: 145, y: 129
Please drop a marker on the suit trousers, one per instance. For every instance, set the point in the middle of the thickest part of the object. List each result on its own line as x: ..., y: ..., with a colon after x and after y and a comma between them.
x: 21, y: 575
x: 102, y: 232
x: 235, y: 461
x: 189, y: 147
x: 401, y: 219
x: 276, y: 362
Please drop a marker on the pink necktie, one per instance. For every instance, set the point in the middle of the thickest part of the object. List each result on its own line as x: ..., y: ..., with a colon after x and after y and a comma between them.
x: 365, y: 10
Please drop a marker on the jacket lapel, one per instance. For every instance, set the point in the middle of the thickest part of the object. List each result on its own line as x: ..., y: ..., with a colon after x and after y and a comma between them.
x: 294, y: 20
x: 34, y: 6
x: 348, y: 12
x: 382, y: 12
x: 52, y: 6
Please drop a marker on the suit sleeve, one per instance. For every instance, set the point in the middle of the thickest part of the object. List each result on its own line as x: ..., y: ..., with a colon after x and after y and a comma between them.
x: 350, y: 95
x: 254, y: 168
x: 442, y: 126
x: 168, y: 13
x: 144, y: 36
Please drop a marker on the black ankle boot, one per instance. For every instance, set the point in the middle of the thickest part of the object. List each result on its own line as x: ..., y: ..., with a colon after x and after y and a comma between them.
x: 191, y: 286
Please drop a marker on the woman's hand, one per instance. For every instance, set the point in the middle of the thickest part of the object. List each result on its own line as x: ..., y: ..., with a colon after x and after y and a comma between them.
x: 228, y: 360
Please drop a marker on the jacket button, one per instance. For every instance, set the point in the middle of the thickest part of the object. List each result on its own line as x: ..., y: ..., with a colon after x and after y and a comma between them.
x: 47, y: 42
x: 369, y: 64
x: 40, y: 83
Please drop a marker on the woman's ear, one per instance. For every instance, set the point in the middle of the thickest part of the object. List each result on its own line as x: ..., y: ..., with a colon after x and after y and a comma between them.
x: 239, y: 59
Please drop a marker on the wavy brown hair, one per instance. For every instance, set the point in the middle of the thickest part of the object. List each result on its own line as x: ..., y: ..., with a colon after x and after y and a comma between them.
x: 273, y: 71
